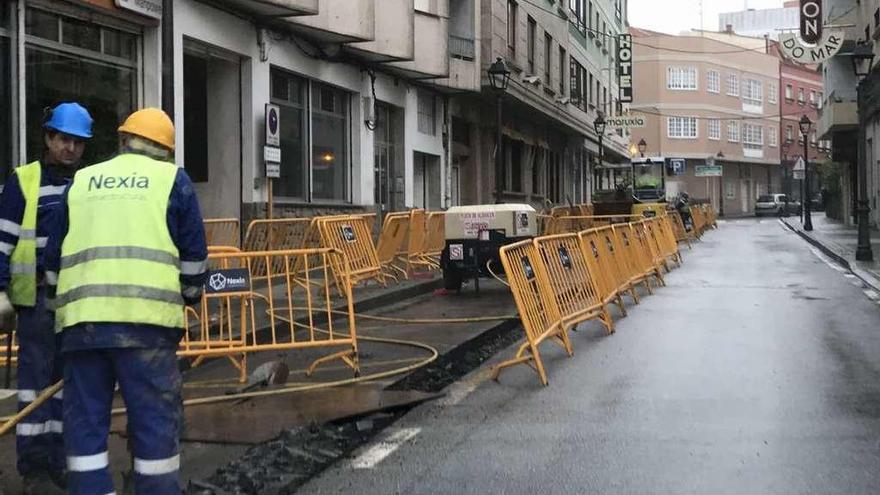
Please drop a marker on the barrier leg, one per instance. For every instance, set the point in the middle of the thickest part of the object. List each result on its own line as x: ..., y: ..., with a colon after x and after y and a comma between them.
x: 349, y: 357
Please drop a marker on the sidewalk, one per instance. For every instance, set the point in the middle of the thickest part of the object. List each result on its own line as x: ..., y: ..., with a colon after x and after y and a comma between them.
x: 839, y: 241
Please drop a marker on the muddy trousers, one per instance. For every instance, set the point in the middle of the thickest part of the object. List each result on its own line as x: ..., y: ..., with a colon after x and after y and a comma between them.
x: 149, y: 381
x: 38, y: 441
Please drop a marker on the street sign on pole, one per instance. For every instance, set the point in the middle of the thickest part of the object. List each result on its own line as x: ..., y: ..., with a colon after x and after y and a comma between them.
x: 799, y: 169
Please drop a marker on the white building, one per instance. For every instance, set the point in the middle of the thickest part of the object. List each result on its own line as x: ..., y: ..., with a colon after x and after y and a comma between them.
x: 761, y: 22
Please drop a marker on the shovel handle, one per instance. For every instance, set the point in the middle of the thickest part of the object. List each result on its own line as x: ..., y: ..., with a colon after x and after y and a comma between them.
x: 43, y: 397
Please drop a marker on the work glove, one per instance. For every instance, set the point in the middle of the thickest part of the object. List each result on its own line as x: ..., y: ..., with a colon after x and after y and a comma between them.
x: 7, y: 314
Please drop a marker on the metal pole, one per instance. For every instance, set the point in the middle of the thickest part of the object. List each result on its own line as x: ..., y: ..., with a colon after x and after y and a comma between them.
x: 863, y: 249
x: 499, y: 181
x: 721, y: 193
x: 808, y: 220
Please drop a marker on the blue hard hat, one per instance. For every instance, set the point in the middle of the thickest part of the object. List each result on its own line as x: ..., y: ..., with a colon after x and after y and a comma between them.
x: 70, y: 118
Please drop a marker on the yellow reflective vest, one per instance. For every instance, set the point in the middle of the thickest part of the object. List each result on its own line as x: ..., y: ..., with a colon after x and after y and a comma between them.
x: 23, y: 261
x: 118, y: 261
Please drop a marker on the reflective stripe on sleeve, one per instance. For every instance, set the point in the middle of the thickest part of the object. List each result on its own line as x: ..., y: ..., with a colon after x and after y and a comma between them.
x: 23, y: 269
x: 52, y: 278
x: 84, y: 463
x: 6, y: 248
x: 10, y: 227
x: 27, y: 395
x: 27, y: 234
x: 157, y: 467
x: 193, y: 267
x: 42, y: 241
x: 120, y: 253
x: 51, y: 190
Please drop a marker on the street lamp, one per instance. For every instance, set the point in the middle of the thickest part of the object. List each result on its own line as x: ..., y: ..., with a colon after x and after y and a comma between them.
x: 599, y: 126
x: 805, y: 124
x: 642, y: 147
x: 720, y: 156
x: 499, y: 78
x: 863, y: 62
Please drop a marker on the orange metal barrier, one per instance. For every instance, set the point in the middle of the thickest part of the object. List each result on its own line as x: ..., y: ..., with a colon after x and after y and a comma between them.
x: 678, y: 228
x: 417, y: 242
x: 698, y: 219
x: 709, y: 214
x: 4, y: 347
x: 611, y: 281
x: 539, y: 314
x: 644, y: 252
x: 222, y: 232
x: 435, y: 240
x: 666, y: 238
x: 572, y: 283
x: 395, y: 230
x: 352, y: 236
x: 296, y: 314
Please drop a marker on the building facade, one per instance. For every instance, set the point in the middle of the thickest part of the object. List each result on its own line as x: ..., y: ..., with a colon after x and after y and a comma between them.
x: 867, y: 22
x: 709, y: 102
x: 384, y: 104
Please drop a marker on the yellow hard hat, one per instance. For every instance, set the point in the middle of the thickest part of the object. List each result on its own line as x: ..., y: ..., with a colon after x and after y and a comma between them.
x: 152, y: 124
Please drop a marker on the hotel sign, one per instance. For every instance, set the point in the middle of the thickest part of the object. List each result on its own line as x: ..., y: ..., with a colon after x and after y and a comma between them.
x: 149, y: 8
x: 625, y: 67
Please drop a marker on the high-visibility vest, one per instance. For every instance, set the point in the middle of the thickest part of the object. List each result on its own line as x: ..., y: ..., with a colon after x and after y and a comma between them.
x: 23, y: 262
x: 118, y: 261
x: 647, y: 180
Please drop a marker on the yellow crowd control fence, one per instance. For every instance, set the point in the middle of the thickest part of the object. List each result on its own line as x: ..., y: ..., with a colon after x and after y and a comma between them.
x: 222, y: 232
x: 561, y: 280
x: 240, y: 315
x: 351, y: 235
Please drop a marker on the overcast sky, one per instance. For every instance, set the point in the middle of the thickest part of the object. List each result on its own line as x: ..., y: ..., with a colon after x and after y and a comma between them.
x: 674, y: 16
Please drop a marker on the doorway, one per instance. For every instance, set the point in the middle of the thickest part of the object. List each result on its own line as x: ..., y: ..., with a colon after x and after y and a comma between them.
x: 212, y: 127
x: 426, y: 181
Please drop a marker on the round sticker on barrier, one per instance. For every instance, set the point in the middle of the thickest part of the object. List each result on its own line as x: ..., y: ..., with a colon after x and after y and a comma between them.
x: 527, y: 268
x: 564, y: 257
x: 456, y: 252
x: 348, y: 233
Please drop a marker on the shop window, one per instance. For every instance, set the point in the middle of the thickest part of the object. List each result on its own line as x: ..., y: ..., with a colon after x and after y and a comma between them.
x: 329, y: 145
x: 195, y: 117
x: 288, y: 92
x: 6, y: 136
x: 102, y: 76
x: 427, y: 113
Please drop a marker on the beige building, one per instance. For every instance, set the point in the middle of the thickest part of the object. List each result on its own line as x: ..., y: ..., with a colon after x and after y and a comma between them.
x: 707, y: 100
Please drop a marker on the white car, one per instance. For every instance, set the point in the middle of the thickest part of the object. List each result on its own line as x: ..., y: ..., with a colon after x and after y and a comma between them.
x: 776, y: 204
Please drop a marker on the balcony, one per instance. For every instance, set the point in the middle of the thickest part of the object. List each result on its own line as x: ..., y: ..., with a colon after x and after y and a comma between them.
x: 837, y: 115
x: 339, y: 21
x: 431, y: 47
x: 395, y: 34
x: 273, y: 8
x: 462, y: 48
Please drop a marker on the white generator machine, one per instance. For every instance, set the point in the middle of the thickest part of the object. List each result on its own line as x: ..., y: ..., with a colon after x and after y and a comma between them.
x: 474, y: 235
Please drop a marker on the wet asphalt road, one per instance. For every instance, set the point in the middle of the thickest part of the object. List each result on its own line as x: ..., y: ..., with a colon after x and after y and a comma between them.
x: 757, y: 370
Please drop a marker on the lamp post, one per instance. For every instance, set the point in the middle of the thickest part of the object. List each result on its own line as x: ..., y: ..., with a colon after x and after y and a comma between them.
x: 499, y: 78
x: 599, y: 126
x: 805, y: 124
x: 720, y: 156
x: 863, y: 62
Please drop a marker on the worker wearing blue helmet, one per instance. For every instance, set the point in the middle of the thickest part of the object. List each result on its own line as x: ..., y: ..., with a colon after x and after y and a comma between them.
x: 26, y: 206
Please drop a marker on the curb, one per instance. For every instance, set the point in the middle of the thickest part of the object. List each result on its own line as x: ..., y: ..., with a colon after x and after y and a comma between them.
x: 865, y: 277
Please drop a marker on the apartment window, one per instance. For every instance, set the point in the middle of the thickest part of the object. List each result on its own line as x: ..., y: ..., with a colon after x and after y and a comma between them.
x: 681, y: 78
x: 578, y: 15
x: 511, y: 28
x: 753, y: 92
x: 427, y: 117
x: 533, y: 27
x: 772, y: 136
x: 732, y: 85
x: 548, y: 59
x: 681, y: 127
x: 752, y: 136
x: 801, y: 96
x: 813, y: 139
x: 813, y: 99
x: 579, y: 92
x: 789, y: 94
x: 590, y: 17
x: 561, y: 70
x: 713, y: 81
x: 821, y: 99
x: 771, y: 92
x: 733, y: 131
x: 714, y: 129
x: 789, y: 134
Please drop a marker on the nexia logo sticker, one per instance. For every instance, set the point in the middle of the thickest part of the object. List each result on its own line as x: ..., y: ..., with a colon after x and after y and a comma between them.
x: 231, y: 280
x: 112, y: 182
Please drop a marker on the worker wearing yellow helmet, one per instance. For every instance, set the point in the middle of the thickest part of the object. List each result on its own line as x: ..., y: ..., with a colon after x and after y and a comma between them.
x: 128, y: 254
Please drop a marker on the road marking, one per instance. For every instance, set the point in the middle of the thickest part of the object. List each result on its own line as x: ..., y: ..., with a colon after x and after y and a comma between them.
x: 828, y: 261
x: 379, y: 451
x: 460, y: 390
x: 872, y: 294
x: 849, y: 275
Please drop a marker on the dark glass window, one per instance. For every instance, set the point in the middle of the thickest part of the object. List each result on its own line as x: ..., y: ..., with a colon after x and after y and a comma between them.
x: 41, y: 24
x: 195, y: 117
x: 81, y: 34
x: 288, y: 92
x: 329, y: 143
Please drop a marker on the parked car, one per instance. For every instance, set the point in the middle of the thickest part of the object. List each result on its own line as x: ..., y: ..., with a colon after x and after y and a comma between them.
x: 776, y: 204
